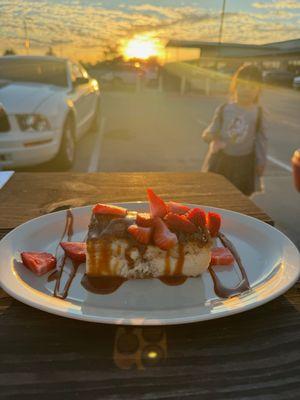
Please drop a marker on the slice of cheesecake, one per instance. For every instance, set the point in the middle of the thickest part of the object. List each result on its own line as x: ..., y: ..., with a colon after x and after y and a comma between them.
x: 170, y: 241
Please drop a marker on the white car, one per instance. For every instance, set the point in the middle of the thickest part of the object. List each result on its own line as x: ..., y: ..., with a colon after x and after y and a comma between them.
x: 296, y: 83
x: 46, y: 105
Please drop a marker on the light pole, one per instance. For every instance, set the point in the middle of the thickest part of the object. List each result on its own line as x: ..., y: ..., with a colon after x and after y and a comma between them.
x: 26, y: 42
x: 222, y: 21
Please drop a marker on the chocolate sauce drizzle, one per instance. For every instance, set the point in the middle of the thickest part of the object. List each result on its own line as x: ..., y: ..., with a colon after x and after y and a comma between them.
x: 58, y: 273
x: 68, y: 230
x: 221, y: 290
x: 109, y: 284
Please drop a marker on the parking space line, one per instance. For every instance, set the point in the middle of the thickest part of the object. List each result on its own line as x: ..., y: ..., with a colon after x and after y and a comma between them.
x: 95, y: 157
x: 279, y: 163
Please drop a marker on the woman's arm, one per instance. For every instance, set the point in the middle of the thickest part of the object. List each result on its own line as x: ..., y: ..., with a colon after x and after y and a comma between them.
x: 212, y: 132
x: 261, y: 143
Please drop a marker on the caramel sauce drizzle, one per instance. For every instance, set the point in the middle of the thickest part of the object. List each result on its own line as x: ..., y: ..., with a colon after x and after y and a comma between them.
x: 177, y: 278
x: 180, y: 260
x: 104, y: 261
x: 103, y: 284
x: 167, y: 263
x: 173, y: 280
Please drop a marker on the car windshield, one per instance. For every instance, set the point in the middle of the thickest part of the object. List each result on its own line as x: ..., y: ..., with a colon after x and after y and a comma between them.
x: 30, y: 70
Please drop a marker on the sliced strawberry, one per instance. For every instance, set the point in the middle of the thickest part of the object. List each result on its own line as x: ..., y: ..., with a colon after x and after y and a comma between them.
x: 197, y: 216
x: 110, y: 210
x: 177, y: 208
x: 163, y: 237
x: 213, y: 223
x: 75, y: 250
x: 37, y: 262
x: 144, y: 219
x: 179, y: 223
x: 158, y: 207
x: 221, y: 256
x: 142, y: 234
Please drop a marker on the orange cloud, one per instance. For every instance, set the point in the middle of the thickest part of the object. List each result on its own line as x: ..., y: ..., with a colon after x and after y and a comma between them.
x: 90, y: 30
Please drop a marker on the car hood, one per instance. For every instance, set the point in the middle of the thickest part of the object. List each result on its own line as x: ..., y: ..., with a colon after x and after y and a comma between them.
x: 24, y: 98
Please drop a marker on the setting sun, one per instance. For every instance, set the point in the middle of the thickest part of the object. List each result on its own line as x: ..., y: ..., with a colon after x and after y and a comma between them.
x: 143, y: 47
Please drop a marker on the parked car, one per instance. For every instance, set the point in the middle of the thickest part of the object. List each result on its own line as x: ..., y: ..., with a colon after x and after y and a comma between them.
x: 121, y: 74
x: 279, y: 77
x: 296, y: 83
x: 46, y: 105
x: 128, y: 74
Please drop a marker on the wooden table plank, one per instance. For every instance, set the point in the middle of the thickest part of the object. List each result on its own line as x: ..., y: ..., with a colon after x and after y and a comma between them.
x: 254, y: 355
x: 29, y: 195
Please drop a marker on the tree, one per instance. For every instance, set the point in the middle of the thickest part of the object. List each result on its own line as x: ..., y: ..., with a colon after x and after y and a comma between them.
x: 50, y: 52
x: 9, y: 52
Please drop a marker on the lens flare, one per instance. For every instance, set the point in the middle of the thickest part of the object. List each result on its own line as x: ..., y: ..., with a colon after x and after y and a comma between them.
x: 143, y: 47
x: 152, y: 354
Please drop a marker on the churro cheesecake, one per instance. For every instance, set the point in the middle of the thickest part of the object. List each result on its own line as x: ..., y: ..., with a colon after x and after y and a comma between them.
x: 171, y: 240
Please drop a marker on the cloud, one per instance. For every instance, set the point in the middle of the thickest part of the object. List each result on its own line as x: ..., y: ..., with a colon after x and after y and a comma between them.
x: 85, y: 29
x: 278, y: 4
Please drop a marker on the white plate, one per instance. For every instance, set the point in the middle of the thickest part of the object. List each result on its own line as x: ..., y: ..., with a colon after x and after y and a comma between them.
x: 270, y: 259
x: 5, y: 177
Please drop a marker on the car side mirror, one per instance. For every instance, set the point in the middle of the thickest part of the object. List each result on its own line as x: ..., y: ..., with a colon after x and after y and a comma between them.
x: 81, y: 81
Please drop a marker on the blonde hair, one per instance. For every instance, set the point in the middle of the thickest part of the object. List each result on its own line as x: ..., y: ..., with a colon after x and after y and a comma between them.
x: 246, y: 73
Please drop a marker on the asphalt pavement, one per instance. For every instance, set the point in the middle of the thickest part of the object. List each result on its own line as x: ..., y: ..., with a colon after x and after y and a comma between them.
x: 152, y: 131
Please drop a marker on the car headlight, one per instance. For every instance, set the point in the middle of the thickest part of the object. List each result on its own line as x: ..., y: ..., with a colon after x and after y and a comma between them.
x: 33, y: 122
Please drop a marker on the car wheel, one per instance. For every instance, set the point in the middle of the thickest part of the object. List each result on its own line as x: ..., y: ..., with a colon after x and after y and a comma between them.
x: 66, y: 154
x: 97, y: 118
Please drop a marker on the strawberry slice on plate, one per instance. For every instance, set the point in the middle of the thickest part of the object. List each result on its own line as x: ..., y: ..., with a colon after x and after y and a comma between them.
x: 213, y: 223
x: 221, y: 256
x: 177, y: 208
x: 158, y: 207
x: 38, y: 262
x: 142, y: 234
x: 179, y: 223
x: 144, y: 219
x: 197, y: 217
x: 109, y: 210
x: 75, y: 250
x: 163, y: 237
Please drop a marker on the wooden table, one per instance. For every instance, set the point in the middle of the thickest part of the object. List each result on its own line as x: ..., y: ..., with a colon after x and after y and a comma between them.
x: 254, y: 355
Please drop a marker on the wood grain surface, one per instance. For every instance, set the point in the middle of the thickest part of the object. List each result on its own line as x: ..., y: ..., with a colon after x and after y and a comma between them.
x: 28, y: 195
x: 253, y: 355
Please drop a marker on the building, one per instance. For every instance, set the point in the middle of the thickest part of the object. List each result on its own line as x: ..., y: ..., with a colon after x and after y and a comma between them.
x: 271, y: 55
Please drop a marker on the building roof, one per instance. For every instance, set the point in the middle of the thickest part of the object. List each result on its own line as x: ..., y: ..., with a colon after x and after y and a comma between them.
x: 285, y: 44
x: 201, y: 44
x: 236, y: 50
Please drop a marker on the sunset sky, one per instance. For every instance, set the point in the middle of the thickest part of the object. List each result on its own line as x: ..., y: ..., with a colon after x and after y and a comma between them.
x: 88, y: 29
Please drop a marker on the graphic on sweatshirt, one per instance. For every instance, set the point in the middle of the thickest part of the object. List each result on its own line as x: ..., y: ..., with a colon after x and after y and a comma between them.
x: 237, y: 129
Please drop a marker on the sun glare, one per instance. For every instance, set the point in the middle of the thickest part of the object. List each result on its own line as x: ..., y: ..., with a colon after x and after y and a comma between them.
x: 143, y: 47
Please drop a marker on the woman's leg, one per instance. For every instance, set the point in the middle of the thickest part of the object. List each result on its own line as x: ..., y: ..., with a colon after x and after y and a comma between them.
x: 239, y: 170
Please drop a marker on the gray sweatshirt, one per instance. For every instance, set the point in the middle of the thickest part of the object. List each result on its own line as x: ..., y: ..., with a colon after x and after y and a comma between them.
x: 236, y: 126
